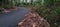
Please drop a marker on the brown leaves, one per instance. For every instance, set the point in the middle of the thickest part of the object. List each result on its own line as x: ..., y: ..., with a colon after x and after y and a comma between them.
x: 32, y: 19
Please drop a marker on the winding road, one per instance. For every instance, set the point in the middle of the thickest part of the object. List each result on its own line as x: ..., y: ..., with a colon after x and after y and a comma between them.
x: 11, y: 19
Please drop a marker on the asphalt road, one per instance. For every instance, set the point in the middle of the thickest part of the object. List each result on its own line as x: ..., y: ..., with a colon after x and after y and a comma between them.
x: 11, y: 19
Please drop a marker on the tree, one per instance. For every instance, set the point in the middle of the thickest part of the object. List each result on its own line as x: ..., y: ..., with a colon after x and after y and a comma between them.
x: 7, y: 3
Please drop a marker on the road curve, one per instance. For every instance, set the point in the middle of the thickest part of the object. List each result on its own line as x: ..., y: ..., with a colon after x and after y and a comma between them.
x: 11, y: 19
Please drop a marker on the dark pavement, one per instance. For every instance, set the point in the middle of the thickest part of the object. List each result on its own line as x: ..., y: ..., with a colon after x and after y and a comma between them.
x: 11, y: 19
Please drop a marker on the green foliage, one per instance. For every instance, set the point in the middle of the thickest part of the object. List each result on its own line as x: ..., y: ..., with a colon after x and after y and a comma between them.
x: 51, y: 15
x: 7, y: 4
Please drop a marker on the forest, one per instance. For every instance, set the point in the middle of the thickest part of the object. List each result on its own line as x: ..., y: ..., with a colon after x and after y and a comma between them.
x: 48, y: 9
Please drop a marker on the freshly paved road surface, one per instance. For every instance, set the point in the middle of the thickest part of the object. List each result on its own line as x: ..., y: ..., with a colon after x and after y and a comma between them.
x: 11, y: 19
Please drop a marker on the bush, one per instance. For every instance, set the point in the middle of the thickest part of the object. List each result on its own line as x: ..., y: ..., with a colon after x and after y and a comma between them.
x: 51, y: 15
